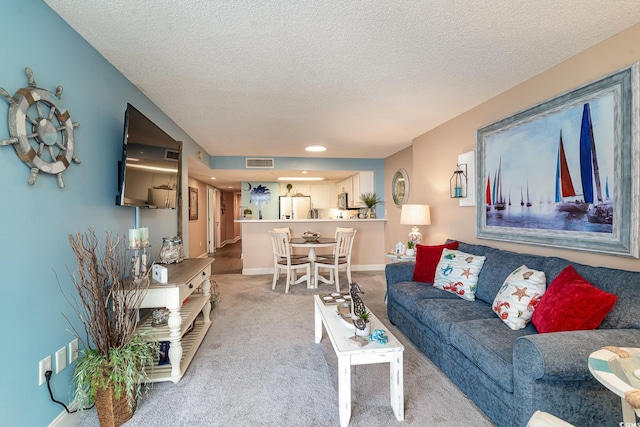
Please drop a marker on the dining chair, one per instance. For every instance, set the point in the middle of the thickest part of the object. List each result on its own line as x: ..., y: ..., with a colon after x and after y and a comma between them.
x: 338, y: 230
x: 341, y: 258
x: 288, y: 231
x: 282, y: 261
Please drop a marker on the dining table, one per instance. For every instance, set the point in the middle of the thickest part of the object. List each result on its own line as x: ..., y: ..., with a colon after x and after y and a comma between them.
x: 311, y: 245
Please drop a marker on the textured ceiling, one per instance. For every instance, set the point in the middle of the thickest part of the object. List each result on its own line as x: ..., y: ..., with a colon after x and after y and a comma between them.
x: 267, y: 78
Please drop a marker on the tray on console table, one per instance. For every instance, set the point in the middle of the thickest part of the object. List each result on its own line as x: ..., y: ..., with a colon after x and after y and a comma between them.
x: 184, y: 278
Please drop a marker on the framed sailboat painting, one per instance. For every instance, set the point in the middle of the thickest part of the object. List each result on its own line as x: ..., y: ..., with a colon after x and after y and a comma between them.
x: 565, y: 173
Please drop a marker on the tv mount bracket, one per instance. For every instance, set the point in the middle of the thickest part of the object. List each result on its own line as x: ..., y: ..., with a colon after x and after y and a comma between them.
x: 47, y: 146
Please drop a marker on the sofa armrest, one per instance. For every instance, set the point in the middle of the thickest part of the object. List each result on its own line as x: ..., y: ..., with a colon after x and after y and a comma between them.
x: 399, y: 272
x: 564, y: 355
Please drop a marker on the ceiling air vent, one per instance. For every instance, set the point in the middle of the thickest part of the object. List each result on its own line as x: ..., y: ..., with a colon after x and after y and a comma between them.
x: 259, y: 163
x: 172, y: 155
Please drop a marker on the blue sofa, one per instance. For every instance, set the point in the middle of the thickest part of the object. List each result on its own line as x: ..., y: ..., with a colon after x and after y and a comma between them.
x: 511, y: 374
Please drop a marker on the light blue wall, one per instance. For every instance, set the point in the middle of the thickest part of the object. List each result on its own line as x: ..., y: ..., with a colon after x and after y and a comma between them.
x: 316, y: 164
x: 35, y: 221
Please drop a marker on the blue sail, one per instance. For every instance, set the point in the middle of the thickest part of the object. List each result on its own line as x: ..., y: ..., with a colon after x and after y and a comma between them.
x: 606, y: 188
x: 586, y: 167
x: 558, y: 197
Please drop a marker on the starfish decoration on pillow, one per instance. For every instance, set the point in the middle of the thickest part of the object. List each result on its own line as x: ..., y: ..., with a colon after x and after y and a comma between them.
x: 466, y: 272
x: 521, y: 293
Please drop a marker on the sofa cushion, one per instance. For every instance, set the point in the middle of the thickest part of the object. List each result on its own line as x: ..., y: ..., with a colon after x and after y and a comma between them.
x: 572, y: 303
x: 472, y: 249
x: 519, y: 295
x: 457, y: 272
x: 427, y: 258
x: 406, y: 294
x: 498, y: 266
x: 623, y: 283
x: 488, y: 343
x: 439, y: 314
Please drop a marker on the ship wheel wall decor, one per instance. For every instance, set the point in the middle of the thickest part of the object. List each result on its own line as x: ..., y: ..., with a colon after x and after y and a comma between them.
x: 39, y: 142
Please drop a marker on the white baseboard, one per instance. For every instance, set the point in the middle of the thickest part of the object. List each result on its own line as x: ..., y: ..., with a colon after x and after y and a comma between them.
x: 66, y: 419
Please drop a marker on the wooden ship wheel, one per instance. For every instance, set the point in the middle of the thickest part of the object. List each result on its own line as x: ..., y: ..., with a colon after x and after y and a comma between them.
x: 41, y: 129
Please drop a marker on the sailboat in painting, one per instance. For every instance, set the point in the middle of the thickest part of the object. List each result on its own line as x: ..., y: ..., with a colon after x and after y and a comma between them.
x: 597, y: 209
x: 566, y: 198
x: 499, y: 204
x: 600, y: 211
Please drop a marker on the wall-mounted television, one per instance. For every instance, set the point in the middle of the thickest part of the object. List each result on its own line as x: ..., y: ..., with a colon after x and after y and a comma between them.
x: 150, y: 165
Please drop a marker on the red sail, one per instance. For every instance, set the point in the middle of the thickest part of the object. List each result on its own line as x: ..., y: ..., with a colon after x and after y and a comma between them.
x: 488, y: 193
x: 565, y: 177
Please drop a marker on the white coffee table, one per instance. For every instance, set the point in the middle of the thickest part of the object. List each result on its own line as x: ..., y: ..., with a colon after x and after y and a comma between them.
x: 350, y: 354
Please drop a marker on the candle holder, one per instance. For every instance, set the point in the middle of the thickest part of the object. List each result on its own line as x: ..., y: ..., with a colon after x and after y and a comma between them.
x: 140, y: 262
x: 458, y: 182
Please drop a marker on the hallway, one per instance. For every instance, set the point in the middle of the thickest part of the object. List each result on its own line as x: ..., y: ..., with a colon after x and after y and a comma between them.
x: 227, y: 259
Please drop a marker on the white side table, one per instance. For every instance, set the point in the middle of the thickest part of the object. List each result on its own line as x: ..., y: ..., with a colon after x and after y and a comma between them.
x: 399, y: 258
x: 605, y: 366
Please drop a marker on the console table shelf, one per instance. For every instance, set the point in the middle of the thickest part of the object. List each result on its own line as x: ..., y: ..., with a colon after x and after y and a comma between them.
x: 184, y: 279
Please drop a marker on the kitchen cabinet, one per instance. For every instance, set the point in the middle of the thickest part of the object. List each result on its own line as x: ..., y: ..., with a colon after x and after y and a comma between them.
x: 323, y: 196
x: 361, y: 183
x: 354, y: 186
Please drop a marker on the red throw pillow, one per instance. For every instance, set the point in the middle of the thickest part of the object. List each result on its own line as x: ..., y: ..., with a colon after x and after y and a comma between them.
x: 427, y: 258
x: 571, y: 303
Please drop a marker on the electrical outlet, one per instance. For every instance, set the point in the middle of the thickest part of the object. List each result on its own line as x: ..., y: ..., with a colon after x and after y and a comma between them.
x: 43, y: 366
x: 73, y: 350
x: 61, y: 359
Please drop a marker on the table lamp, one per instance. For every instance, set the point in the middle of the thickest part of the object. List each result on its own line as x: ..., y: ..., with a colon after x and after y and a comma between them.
x: 415, y: 215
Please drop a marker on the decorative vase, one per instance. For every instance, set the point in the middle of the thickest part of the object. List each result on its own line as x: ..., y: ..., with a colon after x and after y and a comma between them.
x: 410, y: 252
x: 112, y: 411
x: 371, y: 213
x: 366, y: 332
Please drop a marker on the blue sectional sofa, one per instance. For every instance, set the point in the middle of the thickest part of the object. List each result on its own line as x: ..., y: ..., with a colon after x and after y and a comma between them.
x: 511, y: 374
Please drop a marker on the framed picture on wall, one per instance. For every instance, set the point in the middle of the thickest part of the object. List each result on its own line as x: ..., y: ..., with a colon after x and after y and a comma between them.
x: 564, y: 173
x: 193, y: 203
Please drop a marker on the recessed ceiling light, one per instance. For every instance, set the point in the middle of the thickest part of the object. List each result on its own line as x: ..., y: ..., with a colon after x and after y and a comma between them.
x: 316, y: 148
x: 213, y: 177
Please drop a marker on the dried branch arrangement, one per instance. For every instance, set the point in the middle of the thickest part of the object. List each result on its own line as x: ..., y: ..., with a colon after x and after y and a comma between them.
x: 115, y: 355
x: 108, y: 303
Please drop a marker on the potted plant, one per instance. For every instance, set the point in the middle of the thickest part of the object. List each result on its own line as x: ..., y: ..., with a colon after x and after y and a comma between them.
x: 370, y: 200
x: 411, y: 251
x: 289, y: 193
x: 114, y: 365
x: 365, y: 316
x: 248, y: 213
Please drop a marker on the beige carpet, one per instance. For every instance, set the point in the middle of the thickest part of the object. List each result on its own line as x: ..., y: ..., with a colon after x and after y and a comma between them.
x: 259, y: 366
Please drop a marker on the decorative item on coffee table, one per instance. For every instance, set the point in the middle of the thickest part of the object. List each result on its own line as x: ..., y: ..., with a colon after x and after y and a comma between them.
x: 112, y: 372
x: 360, y: 315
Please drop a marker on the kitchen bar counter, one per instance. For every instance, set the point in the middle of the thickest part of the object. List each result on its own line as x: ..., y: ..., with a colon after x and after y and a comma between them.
x: 367, y: 253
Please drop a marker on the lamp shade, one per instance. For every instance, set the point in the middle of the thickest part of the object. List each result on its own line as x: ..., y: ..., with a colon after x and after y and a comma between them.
x: 415, y: 215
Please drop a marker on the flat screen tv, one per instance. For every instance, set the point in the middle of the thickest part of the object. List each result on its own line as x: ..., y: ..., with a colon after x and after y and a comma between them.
x: 148, y: 172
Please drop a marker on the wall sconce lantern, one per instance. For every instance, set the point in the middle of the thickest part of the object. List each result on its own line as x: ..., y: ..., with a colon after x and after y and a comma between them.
x: 458, y: 182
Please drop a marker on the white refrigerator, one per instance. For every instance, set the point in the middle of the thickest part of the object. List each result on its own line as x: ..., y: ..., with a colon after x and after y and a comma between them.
x: 294, y: 207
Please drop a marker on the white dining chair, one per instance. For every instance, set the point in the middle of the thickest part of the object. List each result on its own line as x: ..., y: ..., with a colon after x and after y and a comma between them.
x: 341, y: 258
x: 282, y: 261
x: 338, y: 230
x: 288, y: 231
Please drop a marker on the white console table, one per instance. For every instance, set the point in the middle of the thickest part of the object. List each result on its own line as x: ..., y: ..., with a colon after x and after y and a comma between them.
x: 184, y: 278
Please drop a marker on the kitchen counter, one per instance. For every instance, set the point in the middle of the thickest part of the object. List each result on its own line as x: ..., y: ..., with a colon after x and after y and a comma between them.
x: 282, y: 221
x: 368, y: 246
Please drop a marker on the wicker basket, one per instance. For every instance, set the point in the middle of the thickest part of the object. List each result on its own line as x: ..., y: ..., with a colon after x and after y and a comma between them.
x: 112, y: 412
